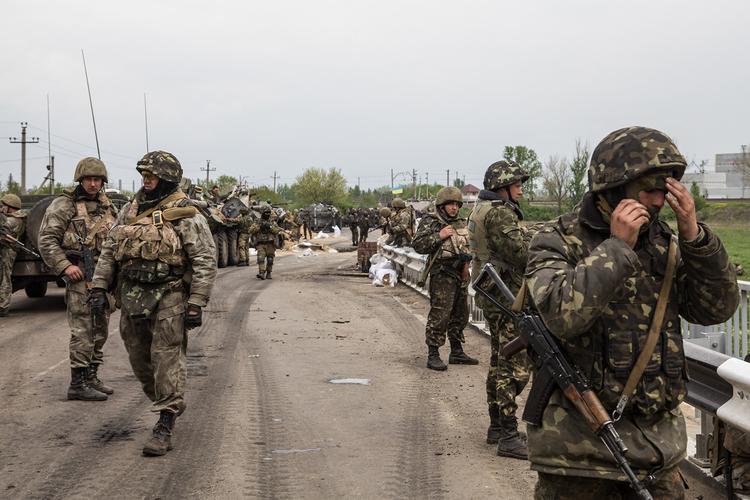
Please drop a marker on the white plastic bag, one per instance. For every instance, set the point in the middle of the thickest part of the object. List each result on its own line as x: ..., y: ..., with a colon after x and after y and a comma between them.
x: 385, y: 277
x: 336, y: 231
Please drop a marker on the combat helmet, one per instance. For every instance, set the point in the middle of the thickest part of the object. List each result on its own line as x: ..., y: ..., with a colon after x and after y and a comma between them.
x: 90, y: 167
x: 385, y: 212
x: 632, y: 152
x: 162, y: 164
x: 447, y: 195
x: 398, y: 203
x: 11, y: 200
x: 503, y: 173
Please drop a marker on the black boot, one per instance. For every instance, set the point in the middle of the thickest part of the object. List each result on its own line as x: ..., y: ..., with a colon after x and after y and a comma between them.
x: 511, y: 443
x: 493, y: 431
x: 458, y: 356
x: 433, y: 359
x: 268, y: 275
x: 261, y: 276
x: 161, y: 435
x: 80, y: 389
x: 92, y: 379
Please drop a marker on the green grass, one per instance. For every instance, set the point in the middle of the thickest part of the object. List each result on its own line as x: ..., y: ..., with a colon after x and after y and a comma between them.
x: 736, y: 239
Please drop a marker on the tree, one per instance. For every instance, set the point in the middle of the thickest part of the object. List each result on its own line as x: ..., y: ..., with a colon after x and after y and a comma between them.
x: 315, y: 185
x: 527, y: 159
x: 458, y: 182
x: 556, y: 180
x: 700, y: 201
x: 225, y: 183
x: 12, y: 186
x: 578, y: 168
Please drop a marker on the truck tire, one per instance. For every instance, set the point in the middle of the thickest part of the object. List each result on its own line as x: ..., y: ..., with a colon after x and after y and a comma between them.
x: 36, y: 290
x: 221, y: 249
x: 233, y: 256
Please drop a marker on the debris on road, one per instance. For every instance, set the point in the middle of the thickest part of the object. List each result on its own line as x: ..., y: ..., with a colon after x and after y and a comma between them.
x: 355, y: 381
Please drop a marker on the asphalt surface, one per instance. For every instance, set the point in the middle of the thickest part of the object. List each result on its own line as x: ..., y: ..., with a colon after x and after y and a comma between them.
x: 264, y: 419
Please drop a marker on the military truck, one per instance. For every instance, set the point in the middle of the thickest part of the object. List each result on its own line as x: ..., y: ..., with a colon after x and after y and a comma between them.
x: 322, y: 217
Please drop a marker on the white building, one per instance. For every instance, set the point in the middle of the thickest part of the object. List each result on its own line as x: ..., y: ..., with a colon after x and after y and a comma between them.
x: 726, y: 181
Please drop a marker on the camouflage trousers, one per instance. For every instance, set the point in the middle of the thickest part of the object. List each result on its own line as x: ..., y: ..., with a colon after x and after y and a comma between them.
x: 266, y: 253
x: 355, y: 234
x: 738, y: 443
x: 306, y: 232
x: 156, y: 348
x: 7, y: 258
x: 243, y: 240
x: 86, y: 341
x: 506, y: 378
x: 668, y: 485
x: 449, y: 309
x: 363, y: 230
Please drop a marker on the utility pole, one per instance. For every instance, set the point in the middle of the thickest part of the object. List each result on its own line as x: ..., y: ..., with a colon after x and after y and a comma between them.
x: 23, y: 142
x: 414, y: 182
x: 456, y: 177
x: 447, y: 177
x: 274, y: 180
x: 119, y: 185
x: 51, y: 175
x: 208, y: 171
x: 391, y: 179
x: 427, y: 183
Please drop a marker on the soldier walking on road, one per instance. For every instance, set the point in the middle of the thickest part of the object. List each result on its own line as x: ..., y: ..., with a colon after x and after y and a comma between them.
x: 264, y: 234
x: 444, y: 236
x: 162, y: 254
x: 595, y: 275
x: 73, y: 231
x: 497, y: 236
x: 12, y: 223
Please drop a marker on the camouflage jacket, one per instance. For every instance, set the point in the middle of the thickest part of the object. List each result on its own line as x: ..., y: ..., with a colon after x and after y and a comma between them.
x: 14, y: 223
x: 198, y: 253
x: 53, y: 244
x: 402, y: 227
x: 264, y: 231
x: 454, y: 251
x: 597, y: 296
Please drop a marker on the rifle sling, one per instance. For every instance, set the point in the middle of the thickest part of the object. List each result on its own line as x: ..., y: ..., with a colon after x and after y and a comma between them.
x: 172, y: 197
x: 653, y: 332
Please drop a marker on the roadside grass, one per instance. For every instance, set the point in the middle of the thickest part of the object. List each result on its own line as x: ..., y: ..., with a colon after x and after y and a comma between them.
x: 736, y: 239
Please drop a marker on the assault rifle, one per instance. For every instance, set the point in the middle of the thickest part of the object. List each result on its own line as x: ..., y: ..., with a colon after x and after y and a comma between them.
x: 87, y: 259
x: 555, y: 371
x: 12, y: 242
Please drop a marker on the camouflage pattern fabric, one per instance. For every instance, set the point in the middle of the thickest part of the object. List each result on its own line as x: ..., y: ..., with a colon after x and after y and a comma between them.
x: 86, y: 342
x: 243, y: 241
x: 503, y: 173
x: 401, y: 224
x: 15, y: 224
x: 506, y: 378
x: 668, y: 485
x: 738, y: 443
x: 597, y: 296
x: 363, y: 221
x: 162, y: 164
x: 266, y: 254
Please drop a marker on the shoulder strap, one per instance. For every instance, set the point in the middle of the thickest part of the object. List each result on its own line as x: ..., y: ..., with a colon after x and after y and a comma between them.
x: 172, y: 197
x: 653, y: 332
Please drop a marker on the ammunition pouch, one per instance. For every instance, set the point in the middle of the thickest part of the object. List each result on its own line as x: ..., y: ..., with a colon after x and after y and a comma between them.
x: 150, y: 271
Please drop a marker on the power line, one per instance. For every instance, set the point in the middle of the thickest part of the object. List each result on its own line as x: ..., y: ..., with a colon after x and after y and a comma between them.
x: 23, y: 142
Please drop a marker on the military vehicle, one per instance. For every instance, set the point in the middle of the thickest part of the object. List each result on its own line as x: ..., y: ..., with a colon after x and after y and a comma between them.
x: 323, y: 217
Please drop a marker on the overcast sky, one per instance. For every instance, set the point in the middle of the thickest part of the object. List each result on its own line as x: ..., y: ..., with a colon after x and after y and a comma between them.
x: 365, y: 86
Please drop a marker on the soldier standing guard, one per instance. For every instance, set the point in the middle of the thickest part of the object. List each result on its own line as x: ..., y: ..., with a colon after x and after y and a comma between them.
x: 401, y: 223
x: 264, y: 234
x: 445, y: 237
x: 72, y: 232
x: 497, y: 236
x: 596, y: 275
x: 363, y: 221
x: 165, y: 260
x: 13, y: 223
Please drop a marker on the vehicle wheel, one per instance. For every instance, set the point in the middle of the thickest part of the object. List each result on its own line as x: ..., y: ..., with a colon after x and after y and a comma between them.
x: 36, y: 290
x: 221, y: 249
x: 233, y: 257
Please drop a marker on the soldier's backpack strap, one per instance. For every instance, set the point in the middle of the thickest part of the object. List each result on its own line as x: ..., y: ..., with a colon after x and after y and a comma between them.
x: 653, y: 332
x: 169, y: 199
x: 175, y: 213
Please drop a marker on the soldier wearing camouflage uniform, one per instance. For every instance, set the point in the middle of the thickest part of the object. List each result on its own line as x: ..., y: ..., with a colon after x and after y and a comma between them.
x: 351, y: 221
x: 163, y: 258
x: 243, y: 237
x: 497, y: 236
x: 12, y: 223
x: 264, y: 234
x: 444, y: 236
x: 384, y: 214
x: 595, y: 275
x: 363, y: 221
x: 80, y: 218
x: 401, y: 224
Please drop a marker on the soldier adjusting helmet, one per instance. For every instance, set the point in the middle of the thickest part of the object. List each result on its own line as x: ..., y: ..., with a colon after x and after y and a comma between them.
x: 11, y: 200
x: 503, y: 173
x: 447, y: 195
x: 630, y: 153
x: 90, y: 167
x: 398, y: 203
x: 162, y: 164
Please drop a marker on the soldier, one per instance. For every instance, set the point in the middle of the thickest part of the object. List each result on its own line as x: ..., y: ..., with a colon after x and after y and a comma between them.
x: 401, y: 223
x: 363, y: 221
x: 163, y: 257
x: 75, y: 225
x: 243, y: 237
x: 307, y: 225
x: 497, y: 236
x: 12, y: 223
x: 351, y: 221
x: 264, y: 234
x: 445, y: 237
x: 595, y: 276
x: 215, y: 195
x: 384, y: 213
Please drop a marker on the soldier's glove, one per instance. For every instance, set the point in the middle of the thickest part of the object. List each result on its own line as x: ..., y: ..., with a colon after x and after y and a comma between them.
x: 193, y: 316
x: 97, y: 300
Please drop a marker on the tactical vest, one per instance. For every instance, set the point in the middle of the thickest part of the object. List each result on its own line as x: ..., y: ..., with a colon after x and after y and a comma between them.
x: 608, y: 351
x: 16, y: 222
x: 478, y: 236
x: 94, y: 227
x: 458, y: 243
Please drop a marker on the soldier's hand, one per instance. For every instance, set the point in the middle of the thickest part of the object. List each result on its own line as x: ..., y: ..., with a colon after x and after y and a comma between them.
x: 627, y: 219
x: 193, y: 316
x: 683, y: 204
x: 446, y: 232
x: 74, y: 273
x: 97, y: 300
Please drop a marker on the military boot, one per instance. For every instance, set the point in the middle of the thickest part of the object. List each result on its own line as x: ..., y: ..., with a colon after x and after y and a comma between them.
x: 511, y: 443
x: 269, y: 268
x: 80, y: 389
x: 261, y: 275
x: 161, y: 435
x: 433, y: 359
x: 92, y: 379
x: 458, y: 356
x: 493, y: 431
